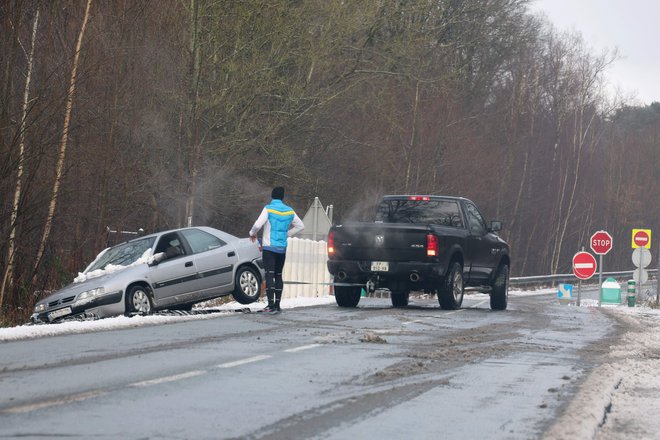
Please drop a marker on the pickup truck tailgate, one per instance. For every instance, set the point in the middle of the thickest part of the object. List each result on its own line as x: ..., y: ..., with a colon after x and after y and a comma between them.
x: 380, y: 242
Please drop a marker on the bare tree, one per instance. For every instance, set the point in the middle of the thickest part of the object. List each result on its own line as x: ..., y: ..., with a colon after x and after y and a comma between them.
x: 63, y: 143
x: 7, y: 279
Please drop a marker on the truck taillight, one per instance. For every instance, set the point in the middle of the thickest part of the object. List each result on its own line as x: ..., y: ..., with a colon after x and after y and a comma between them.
x: 331, y: 242
x: 419, y: 198
x: 432, y: 247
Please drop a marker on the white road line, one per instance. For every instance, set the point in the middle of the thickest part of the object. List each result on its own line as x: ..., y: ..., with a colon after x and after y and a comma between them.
x: 244, y: 361
x: 416, y: 321
x: 175, y: 377
x: 302, y: 347
x: 61, y: 401
x: 481, y: 302
x: 469, y: 307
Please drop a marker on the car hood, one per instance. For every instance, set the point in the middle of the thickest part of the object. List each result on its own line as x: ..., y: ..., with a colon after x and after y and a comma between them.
x: 91, y: 283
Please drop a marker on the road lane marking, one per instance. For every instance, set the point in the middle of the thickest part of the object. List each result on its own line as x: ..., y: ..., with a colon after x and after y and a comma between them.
x: 54, y: 402
x: 165, y: 379
x: 302, y: 347
x: 145, y: 383
x: 244, y: 361
x: 416, y: 321
x: 481, y: 302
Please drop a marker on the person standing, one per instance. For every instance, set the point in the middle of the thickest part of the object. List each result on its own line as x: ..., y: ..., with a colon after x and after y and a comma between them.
x: 279, y: 222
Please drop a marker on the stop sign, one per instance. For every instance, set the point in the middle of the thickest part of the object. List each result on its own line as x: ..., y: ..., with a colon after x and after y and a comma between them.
x: 584, y: 265
x: 641, y: 238
x: 601, y: 242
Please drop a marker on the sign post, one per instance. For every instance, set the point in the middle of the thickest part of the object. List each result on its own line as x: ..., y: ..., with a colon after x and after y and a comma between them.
x: 584, y: 267
x: 641, y: 242
x: 601, y: 244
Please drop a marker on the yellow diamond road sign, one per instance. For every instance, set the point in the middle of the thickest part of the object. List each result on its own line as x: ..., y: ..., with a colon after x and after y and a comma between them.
x: 641, y: 238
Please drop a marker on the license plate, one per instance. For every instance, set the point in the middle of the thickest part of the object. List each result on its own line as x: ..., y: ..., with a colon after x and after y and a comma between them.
x: 380, y: 266
x: 59, y: 313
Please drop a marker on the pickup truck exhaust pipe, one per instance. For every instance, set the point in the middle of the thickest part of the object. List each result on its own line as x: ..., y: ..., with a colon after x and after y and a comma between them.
x: 414, y: 277
x: 341, y: 275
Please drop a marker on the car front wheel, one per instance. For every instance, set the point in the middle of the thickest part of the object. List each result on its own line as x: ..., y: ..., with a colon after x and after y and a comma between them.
x: 499, y: 295
x: 138, y: 301
x: 248, y: 287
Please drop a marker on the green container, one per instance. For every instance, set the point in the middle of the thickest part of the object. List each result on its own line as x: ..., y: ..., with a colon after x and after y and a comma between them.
x: 631, y: 287
x: 632, y: 299
x: 610, y: 292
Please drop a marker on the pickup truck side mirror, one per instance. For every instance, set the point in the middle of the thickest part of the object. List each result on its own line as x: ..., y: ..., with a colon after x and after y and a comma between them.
x: 495, y: 226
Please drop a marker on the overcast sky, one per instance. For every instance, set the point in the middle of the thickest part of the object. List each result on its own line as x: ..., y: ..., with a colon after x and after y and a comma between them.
x: 631, y: 26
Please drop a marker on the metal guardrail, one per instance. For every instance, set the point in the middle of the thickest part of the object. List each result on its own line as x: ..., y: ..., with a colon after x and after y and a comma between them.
x: 517, y: 281
x: 567, y: 277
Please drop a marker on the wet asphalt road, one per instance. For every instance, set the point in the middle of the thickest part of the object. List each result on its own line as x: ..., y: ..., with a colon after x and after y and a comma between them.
x: 318, y: 372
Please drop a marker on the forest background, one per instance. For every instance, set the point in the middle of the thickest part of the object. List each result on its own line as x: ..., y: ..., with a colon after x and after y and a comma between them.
x: 129, y: 115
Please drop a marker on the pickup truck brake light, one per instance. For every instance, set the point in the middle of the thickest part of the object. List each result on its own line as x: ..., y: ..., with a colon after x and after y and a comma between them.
x: 432, y: 246
x: 331, y: 242
x: 422, y: 198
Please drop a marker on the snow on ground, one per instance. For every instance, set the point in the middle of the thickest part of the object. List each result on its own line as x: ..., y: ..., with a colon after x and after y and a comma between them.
x: 618, y: 400
x: 35, y: 331
x: 627, y: 386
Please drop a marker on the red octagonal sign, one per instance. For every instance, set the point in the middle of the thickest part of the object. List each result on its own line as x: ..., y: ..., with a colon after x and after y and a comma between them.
x: 584, y: 265
x: 601, y: 242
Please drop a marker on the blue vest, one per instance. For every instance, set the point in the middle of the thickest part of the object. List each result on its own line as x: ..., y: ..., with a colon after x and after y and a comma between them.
x: 280, y: 217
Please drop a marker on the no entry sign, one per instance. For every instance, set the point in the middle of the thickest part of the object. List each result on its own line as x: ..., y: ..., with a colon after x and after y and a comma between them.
x: 641, y: 238
x: 601, y: 243
x: 584, y: 265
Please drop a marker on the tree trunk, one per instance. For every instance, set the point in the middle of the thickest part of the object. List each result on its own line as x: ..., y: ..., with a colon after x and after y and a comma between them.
x: 412, y: 140
x: 63, y: 144
x: 8, y: 277
x: 193, y: 138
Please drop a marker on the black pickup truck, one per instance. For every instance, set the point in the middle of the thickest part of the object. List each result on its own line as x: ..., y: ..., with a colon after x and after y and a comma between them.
x: 434, y: 244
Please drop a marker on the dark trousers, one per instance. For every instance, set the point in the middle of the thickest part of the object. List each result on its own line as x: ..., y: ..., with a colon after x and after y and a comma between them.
x: 273, y: 264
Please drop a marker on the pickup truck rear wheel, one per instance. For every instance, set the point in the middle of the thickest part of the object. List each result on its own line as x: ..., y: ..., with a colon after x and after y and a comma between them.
x: 400, y: 298
x: 499, y: 295
x: 347, y: 296
x: 450, y: 293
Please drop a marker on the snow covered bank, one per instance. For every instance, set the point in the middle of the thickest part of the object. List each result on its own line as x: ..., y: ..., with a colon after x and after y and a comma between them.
x: 619, y: 399
x: 119, y: 322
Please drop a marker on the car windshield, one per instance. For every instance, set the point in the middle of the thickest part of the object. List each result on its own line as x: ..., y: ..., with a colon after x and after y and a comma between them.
x: 123, y: 254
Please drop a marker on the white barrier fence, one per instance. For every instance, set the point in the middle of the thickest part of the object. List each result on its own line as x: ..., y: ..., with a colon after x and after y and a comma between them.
x: 305, y: 271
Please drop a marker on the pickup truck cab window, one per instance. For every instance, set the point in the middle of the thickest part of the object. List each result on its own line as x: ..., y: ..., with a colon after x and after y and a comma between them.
x: 435, y: 212
x: 476, y: 222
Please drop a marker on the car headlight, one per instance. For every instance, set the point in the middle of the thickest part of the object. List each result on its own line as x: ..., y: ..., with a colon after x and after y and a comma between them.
x: 88, y: 296
x: 40, y: 308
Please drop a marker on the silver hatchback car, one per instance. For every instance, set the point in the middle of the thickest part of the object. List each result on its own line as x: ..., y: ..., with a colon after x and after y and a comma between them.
x: 167, y: 270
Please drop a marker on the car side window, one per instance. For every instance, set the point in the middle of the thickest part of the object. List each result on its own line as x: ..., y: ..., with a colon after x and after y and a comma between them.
x: 201, y: 241
x: 171, y: 245
x: 475, y: 220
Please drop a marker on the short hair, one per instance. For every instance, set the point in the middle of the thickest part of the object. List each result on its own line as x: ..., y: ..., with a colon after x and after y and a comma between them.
x: 278, y: 193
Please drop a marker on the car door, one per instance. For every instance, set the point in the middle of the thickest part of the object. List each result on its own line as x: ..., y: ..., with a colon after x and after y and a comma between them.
x: 479, y: 246
x: 214, y: 259
x: 176, y: 274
